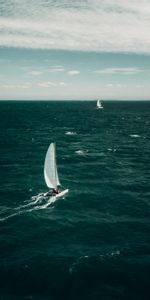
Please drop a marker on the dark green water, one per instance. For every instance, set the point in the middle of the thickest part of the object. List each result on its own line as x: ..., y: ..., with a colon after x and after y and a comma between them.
x: 95, y: 243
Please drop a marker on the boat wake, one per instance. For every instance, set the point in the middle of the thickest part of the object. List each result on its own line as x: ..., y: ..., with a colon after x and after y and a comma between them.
x: 38, y: 202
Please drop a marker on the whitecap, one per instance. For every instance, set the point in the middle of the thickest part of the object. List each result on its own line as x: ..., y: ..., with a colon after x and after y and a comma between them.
x: 135, y: 135
x: 81, y: 152
x: 71, y: 133
x: 113, y: 150
x: 117, y: 252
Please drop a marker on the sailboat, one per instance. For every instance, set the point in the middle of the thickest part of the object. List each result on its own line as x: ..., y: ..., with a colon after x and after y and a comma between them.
x: 99, y: 104
x: 51, y: 174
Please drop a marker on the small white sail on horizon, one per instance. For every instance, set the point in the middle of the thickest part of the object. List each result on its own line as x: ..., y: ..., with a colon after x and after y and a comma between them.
x: 50, y: 170
x: 99, y: 104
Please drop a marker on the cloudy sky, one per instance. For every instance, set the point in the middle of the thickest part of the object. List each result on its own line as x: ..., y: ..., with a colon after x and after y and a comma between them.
x: 81, y: 49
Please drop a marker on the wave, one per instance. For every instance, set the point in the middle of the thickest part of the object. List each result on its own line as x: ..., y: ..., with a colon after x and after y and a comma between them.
x: 84, y: 259
x: 81, y: 152
x: 135, y: 135
x: 71, y: 133
x: 112, y: 149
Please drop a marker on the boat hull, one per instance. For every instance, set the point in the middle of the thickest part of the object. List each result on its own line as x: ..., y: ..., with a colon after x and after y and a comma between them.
x: 57, y: 196
x: 61, y: 194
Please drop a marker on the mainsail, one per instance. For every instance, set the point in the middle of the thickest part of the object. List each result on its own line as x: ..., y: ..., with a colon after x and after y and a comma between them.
x: 99, y: 104
x: 50, y: 168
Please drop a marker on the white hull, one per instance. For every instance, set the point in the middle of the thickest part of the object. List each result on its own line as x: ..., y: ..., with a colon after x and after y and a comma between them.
x: 61, y: 194
x: 57, y: 196
x: 52, y: 199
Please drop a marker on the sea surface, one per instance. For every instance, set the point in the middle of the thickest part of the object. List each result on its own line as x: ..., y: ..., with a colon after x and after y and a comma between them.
x: 94, y: 244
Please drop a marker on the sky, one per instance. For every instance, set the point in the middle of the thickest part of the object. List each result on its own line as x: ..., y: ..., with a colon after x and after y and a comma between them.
x: 74, y: 50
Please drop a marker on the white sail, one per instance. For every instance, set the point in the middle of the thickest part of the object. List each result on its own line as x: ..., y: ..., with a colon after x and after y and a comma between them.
x: 99, y: 104
x: 50, y: 168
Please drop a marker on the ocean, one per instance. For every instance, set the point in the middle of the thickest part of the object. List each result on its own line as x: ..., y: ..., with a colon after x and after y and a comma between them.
x: 94, y: 243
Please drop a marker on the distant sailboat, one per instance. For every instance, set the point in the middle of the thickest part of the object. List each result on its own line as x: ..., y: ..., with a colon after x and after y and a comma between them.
x: 51, y: 174
x: 99, y: 104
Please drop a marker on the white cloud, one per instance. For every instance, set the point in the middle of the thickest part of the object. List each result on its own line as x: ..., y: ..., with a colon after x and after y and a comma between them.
x: 73, y: 72
x: 56, y: 69
x: 35, y: 73
x: 15, y: 86
x: 115, y: 85
x: 62, y: 83
x: 123, y: 71
x: 87, y: 25
x: 110, y: 84
x: 48, y: 84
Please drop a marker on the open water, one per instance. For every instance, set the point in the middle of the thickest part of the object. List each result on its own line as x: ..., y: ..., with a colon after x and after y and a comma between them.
x: 94, y: 244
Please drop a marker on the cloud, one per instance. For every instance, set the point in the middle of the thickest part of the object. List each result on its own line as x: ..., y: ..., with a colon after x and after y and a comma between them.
x: 48, y: 84
x: 87, y: 25
x: 56, y: 69
x: 116, y: 85
x: 123, y: 71
x: 62, y: 83
x: 73, y: 72
x: 40, y: 71
x: 16, y: 86
x: 35, y: 73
